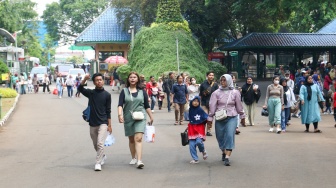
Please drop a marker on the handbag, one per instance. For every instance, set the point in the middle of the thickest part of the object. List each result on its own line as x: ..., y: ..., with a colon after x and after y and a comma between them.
x: 55, y: 92
x: 86, y: 114
x: 184, y: 138
x: 150, y: 133
x: 136, y: 115
x: 264, y: 112
x: 221, y: 114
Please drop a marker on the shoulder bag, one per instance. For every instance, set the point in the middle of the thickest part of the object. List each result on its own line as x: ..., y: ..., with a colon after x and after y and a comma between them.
x: 221, y: 114
x: 136, y: 115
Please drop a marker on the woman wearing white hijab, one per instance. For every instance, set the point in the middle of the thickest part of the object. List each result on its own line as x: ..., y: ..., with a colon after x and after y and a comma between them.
x: 229, y: 99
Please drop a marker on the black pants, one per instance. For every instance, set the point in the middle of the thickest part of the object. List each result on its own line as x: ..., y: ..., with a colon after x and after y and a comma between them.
x: 46, y: 86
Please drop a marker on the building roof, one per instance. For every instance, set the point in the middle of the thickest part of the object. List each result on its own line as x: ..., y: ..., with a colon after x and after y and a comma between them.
x: 105, y: 29
x: 329, y: 28
x: 282, y: 41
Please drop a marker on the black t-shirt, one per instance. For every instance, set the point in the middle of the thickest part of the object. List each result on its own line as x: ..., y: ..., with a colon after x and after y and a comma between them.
x: 122, y: 98
x: 205, y: 92
x: 100, y: 105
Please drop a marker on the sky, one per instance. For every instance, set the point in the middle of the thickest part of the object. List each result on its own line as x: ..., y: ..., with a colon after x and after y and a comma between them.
x: 41, y: 5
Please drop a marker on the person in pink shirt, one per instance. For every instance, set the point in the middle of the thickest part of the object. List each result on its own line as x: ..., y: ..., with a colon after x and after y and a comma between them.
x: 229, y: 99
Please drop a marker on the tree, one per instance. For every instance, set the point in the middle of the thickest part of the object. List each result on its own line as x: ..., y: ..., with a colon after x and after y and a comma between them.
x: 14, y: 14
x: 168, y: 11
x: 308, y: 15
x: 75, y: 59
x: 68, y: 18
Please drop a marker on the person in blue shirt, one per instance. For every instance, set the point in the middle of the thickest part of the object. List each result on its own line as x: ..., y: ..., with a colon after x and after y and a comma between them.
x: 180, y: 98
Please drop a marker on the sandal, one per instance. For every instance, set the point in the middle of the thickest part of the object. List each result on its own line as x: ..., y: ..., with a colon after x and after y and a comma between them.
x: 176, y: 123
x: 317, y: 131
x: 237, y: 131
x: 194, y: 162
x: 205, y: 155
x: 181, y: 122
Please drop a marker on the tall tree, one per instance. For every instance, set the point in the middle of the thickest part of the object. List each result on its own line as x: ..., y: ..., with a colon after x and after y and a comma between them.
x: 168, y: 11
x: 308, y: 15
x: 68, y: 18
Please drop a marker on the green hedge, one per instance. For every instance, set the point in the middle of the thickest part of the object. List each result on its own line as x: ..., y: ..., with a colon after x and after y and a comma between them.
x: 7, y: 93
x: 154, y: 53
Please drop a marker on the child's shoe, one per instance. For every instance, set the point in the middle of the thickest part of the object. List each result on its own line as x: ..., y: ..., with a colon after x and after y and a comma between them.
x: 194, y: 162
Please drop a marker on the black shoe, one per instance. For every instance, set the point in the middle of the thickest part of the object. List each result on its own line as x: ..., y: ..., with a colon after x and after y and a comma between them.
x: 208, y: 134
x: 227, y: 162
x: 223, y: 156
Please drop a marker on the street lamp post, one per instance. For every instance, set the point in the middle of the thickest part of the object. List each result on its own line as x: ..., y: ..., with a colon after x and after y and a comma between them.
x: 16, y: 52
x: 131, y: 31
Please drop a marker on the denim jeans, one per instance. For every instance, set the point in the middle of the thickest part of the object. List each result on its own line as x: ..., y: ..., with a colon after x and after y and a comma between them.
x: 153, y: 101
x: 168, y: 101
x: 60, y: 89
x: 193, y: 143
x: 70, y: 91
x: 284, y: 117
x: 23, y: 89
x: 225, y: 132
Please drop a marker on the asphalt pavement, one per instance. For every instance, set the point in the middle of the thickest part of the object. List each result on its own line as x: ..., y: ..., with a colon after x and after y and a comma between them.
x: 46, y: 143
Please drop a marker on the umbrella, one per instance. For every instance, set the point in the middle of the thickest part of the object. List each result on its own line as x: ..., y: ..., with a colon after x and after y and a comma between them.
x: 116, y: 60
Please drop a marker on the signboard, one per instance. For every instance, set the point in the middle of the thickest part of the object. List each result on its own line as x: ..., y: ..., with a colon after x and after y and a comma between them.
x: 233, y: 53
x: 4, y: 76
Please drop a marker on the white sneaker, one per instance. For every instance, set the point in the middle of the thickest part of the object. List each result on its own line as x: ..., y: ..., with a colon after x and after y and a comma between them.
x: 152, y: 111
x: 331, y: 113
x: 133, y: 161
x: 97, y: 167
x: 325, y: 113
x: 60, y: 97
x: 278, y: 130
x: 271, y: 130
x: 103, y: 160
x: 140, y: 164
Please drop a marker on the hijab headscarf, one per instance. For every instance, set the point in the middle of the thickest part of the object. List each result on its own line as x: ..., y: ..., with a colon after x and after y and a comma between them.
x: 197, y: 114
x: 308, y: 86
x: 285, y: 89
x: 229, y: 82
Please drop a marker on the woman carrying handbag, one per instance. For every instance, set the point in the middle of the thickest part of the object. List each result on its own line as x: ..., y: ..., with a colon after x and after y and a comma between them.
x: 133, y: 104
x: 225, y: 104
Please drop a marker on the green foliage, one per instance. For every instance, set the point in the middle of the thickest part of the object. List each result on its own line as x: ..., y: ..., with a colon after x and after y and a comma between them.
x: 75, y: 59
x: 168, y: 11
x: 3, y: 69
x: 270, y: 66
x: 123, y: 72
x: 14, y: 14
x: 218, y: 69
x: 68, y: 18
x: 174, y: 26
x: 154, y: 53
x: 7, y: 93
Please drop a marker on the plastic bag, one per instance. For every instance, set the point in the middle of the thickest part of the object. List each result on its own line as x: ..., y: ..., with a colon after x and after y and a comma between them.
x: 55, y: 92
x: 110, y: 140
x: 150, y: 133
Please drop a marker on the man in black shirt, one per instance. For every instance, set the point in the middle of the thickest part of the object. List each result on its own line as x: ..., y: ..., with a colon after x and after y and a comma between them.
x: 167, y: 86
x: 100, y: 115
x: 206, y: 89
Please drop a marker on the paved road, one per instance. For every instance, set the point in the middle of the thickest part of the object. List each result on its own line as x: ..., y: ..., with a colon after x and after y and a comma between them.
x: 46, y: 143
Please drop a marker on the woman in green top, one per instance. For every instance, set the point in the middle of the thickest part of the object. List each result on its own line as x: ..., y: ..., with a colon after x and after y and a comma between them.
x: 134, y: 99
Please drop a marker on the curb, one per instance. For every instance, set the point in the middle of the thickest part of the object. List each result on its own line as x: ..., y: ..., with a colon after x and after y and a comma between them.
x: 4, y: 119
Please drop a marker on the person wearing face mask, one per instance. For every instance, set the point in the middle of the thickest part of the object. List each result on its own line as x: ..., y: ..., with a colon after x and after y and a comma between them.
x: 251, y: 95
x: 309, y: 94
x: 274, y: 103
x: 228, y: 98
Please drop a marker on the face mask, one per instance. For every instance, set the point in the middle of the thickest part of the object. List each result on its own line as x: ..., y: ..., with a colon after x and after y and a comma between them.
x: 276, y: 82
x: 193, y: 82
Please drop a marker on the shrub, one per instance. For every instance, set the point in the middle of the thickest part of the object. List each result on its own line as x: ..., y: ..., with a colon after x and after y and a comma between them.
x: 3, y: 69
x: 154, y: 53
x: 218, y: 69
x: 123, y: 72
x: 7, y: 93
x: 169, y: 11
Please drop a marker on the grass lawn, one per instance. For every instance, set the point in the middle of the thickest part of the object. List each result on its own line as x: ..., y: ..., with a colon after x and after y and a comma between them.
x: 7, y: 104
